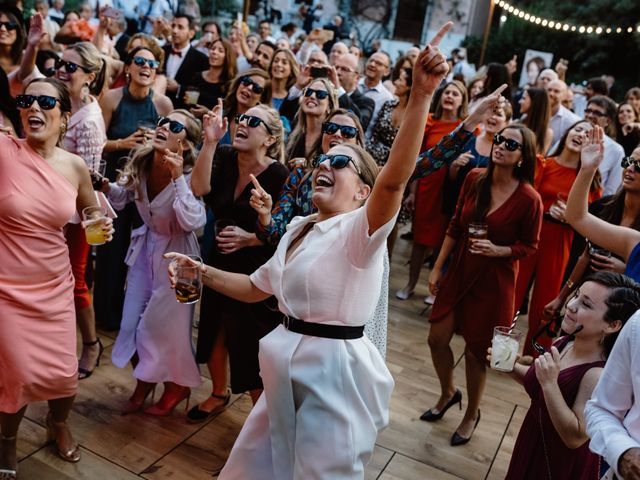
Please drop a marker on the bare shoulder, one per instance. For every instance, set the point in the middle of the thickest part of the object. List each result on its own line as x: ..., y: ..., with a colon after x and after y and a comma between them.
x: 111, y: 98
x: 590, y: 379
x: 163, y: 104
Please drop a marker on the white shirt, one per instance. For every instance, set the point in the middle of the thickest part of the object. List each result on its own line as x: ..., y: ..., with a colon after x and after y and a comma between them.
x: 613, y: 413
x: 174, y: 62
x: 560, y: 123
x: 379, y: 94
x: 611, y: 167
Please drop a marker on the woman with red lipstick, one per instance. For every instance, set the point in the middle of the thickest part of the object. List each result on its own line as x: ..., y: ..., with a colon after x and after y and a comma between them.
x: 553, y: 442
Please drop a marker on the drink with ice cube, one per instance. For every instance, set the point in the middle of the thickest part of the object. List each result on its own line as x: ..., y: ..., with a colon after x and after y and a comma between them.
x: 504, y: 348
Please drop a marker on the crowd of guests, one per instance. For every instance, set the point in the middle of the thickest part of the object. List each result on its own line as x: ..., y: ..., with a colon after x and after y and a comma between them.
x: 259, y: 155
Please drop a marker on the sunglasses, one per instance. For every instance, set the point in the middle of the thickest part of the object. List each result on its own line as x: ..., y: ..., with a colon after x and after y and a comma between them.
x: 551, y: 329
x: 9, y: 25
x: 70, y: 67
x: 46, y: 102
x: 320, y: 94
x: 256, y: 87
x: 597, y: 113
x: 630, y: 161
x: 346, y: 131
x: 252, y: 121
x: 335, y: 161
x: 140, y: 62
x: 49, y: 72
x: 510, y: 144
x: 174, y: 126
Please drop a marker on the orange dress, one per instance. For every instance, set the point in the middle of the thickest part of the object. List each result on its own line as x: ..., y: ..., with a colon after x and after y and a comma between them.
x: 550, y: 261
x: 37, y: 319
x: 429, y: 222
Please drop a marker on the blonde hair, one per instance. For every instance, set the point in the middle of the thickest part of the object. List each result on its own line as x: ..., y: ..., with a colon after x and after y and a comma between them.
x: 91, y: 60
x: 367, y: 165
x: 139, y: 163
x: 272, y: 120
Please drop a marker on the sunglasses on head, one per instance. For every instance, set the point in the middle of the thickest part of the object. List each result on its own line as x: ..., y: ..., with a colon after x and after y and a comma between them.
x: 140, y: 61
x: 46, y: 102
x: 70, y: 67
x: 631, y: 162
x: 256, y: 87
x: 509, y: 144
x: 252, y: 121
x: 320, y: 94
x: 174, y: 126
x: 337, y: 161
x: 346, y: 131
x: 9, y: 25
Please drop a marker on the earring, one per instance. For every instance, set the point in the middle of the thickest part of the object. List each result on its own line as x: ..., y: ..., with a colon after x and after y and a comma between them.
x: 519, y: 164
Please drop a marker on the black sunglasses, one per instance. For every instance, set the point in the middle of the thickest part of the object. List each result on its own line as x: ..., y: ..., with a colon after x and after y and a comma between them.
x: 335, y: 161
x: 49, y: 72
x: 46, y: 102
x: 140, y: 61
x: 346, y: 131
x: 256, y: 87
x: 597, y: 113
x: 174, y: 126
x: 252, y: 121
x: 320, y: 94
x: 509, y: 144
x: 9, y: 25
x: 552, y: 330
x: 70, y: 67
x: 630, y: 161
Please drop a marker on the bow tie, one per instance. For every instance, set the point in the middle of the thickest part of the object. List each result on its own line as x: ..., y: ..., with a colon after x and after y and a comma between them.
x: 176, y: 52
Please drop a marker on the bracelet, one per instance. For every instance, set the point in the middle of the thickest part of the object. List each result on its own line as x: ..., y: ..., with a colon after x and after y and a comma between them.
x: 569, y: 284
x: 117, y: 144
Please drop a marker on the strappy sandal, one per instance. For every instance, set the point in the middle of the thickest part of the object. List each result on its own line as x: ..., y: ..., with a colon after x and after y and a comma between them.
x: 53, y: 429
x: 196, y: 415
x: 85, y: 373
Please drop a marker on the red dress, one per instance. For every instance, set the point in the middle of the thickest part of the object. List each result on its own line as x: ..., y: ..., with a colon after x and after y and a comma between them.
x: 549, y: 263
x: 539, y: 452
x: 481, y: 290
x: 430, y: 223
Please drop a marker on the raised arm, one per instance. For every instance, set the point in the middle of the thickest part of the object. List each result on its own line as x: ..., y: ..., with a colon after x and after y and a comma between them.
x: 36, y: 33
x: 616, y: 239
x: 429, y: 71
x: 214, y: 127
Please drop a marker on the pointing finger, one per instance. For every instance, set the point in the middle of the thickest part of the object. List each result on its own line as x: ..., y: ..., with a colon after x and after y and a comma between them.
x: 500, y: 89
x: 440, y: 35
x: 256, y: 184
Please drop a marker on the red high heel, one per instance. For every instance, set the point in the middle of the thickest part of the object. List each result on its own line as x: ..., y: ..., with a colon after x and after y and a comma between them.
x: 168, y: 402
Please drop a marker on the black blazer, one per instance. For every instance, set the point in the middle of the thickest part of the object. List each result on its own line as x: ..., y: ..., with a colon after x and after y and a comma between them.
x: 366, y: 106
x: 194, y: 62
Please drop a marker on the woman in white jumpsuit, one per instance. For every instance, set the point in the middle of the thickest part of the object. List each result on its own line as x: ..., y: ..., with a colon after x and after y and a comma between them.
x: 326, y: 387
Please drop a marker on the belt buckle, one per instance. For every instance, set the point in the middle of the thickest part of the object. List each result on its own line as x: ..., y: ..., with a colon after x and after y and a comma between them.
x: 285, y: 321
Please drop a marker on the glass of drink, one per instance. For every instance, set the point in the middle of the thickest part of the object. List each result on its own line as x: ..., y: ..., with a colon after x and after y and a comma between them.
x: 219, y: 226
x: 93, y: 219
x: 504, y: 348
x: 188, y: 280
x: 191, y: 96
x: 477, y: 231
x: 97, y: 171
x: 147, y: 128
x: 595, y: 250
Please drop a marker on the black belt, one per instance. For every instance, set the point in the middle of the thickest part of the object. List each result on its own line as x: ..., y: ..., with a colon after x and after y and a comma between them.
x: 338, y: 332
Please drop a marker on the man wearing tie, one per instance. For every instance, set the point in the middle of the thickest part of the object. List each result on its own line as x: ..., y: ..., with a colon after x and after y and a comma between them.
x: 183, y: 61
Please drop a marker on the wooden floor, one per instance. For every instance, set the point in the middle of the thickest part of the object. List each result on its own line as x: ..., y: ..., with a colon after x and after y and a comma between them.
x: 118, y: 447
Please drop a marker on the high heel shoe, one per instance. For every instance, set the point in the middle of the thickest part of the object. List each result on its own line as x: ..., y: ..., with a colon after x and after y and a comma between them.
x: 8, y: 473
x: 83, y: 372
x: 430, y: 416
x: 457, y: 439
x: 134, y: 406
x: 54, y: 430
x: 196, y: 415
x: 169, y: 401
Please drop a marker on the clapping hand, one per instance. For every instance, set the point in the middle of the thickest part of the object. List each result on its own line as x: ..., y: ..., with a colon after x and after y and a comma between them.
x: 214, y: 125
x: 593, y: 149
x: 431, y: 66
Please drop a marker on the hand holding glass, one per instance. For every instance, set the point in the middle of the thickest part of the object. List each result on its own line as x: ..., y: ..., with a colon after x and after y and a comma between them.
x: 188, y: 280
x: 504, y: 348
x: 93, y: 220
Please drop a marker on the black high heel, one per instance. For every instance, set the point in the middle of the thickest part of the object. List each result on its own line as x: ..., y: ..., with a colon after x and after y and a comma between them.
x: 457, y: 439
x: 429, y: 416
x: 196, y: 415
x: 83, y: 372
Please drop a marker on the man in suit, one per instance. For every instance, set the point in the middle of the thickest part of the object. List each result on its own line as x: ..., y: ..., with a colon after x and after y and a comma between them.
x: 348, y: 73
x: 183, y: 61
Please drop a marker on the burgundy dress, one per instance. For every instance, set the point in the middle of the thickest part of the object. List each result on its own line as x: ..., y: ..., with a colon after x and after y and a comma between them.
x: 539, y: 452
x: 479, y: 289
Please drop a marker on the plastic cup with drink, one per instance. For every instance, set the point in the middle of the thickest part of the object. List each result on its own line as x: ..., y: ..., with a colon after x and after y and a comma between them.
x: 97, y: 171
x: 188, y: 280
x: 504, y: 348
x: 93, y: 220
x: 477, y: 231
x: 191, y: 96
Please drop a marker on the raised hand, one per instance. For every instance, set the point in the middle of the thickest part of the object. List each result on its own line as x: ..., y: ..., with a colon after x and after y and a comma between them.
x: 486, y: 106
x: 174, y: 160
x: 593, y: 150
x: 214, y: 125
x: 431, y: 66
x: 36, y: 30
x: 260, y: 201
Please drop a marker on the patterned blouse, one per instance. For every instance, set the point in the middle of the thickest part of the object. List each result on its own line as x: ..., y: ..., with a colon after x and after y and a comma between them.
x: 383, y: 134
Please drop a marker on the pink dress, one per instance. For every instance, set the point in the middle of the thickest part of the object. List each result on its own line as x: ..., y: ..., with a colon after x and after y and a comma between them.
x: 37, y: 316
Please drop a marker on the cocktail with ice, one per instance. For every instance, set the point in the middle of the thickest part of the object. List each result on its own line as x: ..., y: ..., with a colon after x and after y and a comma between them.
x: 504, y: 348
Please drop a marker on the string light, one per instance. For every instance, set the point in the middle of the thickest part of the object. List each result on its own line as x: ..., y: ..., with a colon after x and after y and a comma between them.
x: 558, y: 25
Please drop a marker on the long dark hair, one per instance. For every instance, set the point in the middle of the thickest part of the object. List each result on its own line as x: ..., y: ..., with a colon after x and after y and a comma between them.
x: 537, y: 118
x: 622, y: 302
x: 8, y: 104
x: 595, y: 184
x: 613, y: 210
x: 316, y: 149
x: 497, y: 74
x: 21, y: 38
x: 524, y: 171
x: 229, y: 69
x: 231, y: 102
